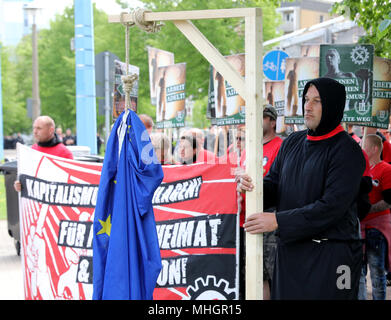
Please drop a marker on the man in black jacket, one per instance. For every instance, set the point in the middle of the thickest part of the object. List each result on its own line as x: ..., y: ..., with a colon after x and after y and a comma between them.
x: 314, y: 184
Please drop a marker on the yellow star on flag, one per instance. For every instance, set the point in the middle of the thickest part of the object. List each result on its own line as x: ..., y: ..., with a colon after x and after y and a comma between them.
x: 106, y: 226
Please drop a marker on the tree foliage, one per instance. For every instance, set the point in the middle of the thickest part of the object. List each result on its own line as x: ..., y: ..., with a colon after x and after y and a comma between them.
x: 14, y: 112
x: 375, y: 17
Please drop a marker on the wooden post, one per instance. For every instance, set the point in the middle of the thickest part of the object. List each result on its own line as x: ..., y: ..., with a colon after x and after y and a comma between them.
x: 254, y: 151
x: 216, y: 144
x: 365, y: 132
x: 251, y: 90
x: 225, y: 135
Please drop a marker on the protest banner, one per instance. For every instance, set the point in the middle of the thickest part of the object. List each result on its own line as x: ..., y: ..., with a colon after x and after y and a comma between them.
x: 157, y: 58
x: 298, y: 72
x: 171, y: 96
x: 197, y: 232
x: 195, y: 225
x: 119, y: 92
x: 56, y: 212
x: 352, y: 66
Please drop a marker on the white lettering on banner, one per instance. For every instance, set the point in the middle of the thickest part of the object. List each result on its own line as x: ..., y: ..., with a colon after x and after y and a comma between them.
x: 84, y: 270
x: 177, y: 191
x: 75, y: 234
x: 173, y: 272
x: 188, y: 233
x: 54, y: 193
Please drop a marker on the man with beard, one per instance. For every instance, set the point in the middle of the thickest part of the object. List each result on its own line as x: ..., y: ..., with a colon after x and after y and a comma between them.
x: 314, y: 184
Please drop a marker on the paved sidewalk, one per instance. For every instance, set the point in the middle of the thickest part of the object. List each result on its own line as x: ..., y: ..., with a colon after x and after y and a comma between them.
x: 11, y: 278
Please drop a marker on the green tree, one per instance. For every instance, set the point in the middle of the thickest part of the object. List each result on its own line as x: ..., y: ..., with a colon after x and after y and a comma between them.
x: 57, y: 70
x: 374, y: 17
x: 14, y: 111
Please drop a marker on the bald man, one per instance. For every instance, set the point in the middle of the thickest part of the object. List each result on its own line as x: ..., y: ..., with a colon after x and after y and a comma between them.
x: 46, y: 141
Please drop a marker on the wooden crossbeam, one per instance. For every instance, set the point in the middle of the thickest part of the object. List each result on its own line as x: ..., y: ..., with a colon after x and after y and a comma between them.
x: 210, y: 53
x: 189, y: 15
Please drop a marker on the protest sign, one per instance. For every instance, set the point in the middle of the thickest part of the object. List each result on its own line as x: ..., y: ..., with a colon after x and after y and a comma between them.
x: 171, y: 96
x: 352, y: 66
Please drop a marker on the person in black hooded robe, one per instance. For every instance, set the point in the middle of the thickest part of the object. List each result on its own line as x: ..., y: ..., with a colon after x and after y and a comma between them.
x: 314, y: 184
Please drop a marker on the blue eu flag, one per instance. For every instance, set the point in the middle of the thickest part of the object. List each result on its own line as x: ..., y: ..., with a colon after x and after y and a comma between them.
x: 126, y: 255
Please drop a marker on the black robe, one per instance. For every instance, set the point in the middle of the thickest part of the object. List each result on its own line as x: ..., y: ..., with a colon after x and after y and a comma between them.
x: 314, y: 185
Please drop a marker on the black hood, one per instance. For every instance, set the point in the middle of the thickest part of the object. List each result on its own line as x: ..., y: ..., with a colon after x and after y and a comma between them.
x: 333, y: 97
x: 51, y: 143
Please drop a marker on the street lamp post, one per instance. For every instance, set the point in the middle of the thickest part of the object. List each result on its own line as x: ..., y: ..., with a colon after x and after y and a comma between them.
x: 36, y: 112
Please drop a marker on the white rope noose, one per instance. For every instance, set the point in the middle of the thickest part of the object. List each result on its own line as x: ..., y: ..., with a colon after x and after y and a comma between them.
x: 138, y: 19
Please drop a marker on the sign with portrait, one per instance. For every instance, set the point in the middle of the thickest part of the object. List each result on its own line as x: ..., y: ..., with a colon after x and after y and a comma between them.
x: 275, y: 95
x: 381, y: 96
x: 229, y: 106
x: 352, y: 66
x: 171, y: 96
x: 157, y: 58
x: 298, y: 72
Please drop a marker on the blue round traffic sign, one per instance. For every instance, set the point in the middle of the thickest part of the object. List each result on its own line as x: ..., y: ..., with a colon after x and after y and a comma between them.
x: 274, y: 64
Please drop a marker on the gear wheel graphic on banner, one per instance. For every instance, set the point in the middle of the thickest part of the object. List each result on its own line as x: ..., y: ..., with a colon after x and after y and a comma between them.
x: 359, y: 55
x: 210, y: 289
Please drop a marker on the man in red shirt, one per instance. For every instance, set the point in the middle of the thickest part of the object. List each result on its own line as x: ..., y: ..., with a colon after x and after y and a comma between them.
x: 376, y: 226
x: 386, y: 153
x: 271, y: 142
x: 271, y: 146
x: 46, y: 141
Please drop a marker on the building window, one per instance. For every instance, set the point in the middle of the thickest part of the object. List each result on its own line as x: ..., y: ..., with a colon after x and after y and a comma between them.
x: 321, y: 18
x: 288, y: 16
